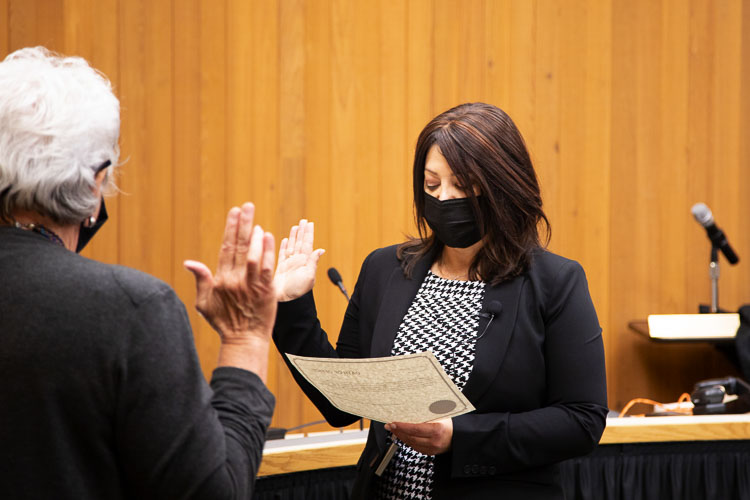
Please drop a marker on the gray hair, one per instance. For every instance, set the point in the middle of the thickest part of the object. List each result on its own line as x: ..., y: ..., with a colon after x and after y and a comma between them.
x: 59, y: 121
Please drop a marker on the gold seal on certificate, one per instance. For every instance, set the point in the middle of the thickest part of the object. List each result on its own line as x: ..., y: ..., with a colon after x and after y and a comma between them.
x: 410, y: 388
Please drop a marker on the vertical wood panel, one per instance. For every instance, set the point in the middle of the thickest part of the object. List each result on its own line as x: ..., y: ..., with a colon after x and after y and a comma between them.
x: 459, y: 57
x: 593, y: 250
x: 725, y: 133
x: 545, y: 148
x: 498, y: 21
x: 253, y: 109
x: 700, y: 172
x: 186, y: 151
x: 625, y: 195
x: 674, y: 218
x: 212, y: 194
x: 394, y: 163
x: 146, y: 86
x: 520, y: 67
x: 36, y: 22
x: 4, y: 27
x: 343, y: 137
x: 23, y: 30
x: 582, y: 227
x: 319, y: 191
x: 292, y: 182
x: 369, y: 190
x: 50, y: 19
x: 420, y: 72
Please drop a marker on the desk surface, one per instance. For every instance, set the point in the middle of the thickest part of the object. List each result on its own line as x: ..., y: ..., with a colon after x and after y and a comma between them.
x: 340, y: 449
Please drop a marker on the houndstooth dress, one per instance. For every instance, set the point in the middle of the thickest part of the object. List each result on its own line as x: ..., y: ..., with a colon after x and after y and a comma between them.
x: 443, y: 318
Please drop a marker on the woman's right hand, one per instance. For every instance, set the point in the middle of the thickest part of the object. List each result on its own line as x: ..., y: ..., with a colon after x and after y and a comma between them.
x: 295, y: 271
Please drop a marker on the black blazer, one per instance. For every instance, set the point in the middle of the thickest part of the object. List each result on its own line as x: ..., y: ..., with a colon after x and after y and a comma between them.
x: 538, y: 381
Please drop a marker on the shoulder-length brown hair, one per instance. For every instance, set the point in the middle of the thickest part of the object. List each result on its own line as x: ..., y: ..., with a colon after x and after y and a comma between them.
x: 484, y: 149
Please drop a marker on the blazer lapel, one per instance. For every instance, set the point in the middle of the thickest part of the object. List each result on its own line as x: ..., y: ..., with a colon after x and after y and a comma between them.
x: 493, y: 345
x: 399, y: 294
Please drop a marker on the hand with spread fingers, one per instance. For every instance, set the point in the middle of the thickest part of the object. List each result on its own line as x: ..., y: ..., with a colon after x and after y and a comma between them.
x: 295, y: 273
x: 239, y: 301
x: 430, y: 438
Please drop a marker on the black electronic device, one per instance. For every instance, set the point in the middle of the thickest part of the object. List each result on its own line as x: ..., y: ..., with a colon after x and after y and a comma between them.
x: 721, y: 395
x: 335, y: 278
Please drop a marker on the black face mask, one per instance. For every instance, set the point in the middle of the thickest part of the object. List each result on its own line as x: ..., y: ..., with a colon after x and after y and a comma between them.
x: 85, y: 233
x: 452, y: 221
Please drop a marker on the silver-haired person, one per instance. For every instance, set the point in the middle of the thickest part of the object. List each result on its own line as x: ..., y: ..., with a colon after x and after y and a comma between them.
x: 102, y: 394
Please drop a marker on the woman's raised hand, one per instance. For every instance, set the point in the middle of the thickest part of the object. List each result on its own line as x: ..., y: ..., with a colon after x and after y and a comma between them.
x: 295, y: 271
x: 239, y: 301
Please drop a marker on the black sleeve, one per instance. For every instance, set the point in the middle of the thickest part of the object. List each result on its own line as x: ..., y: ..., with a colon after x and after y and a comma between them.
x: 298, y: 331
x: 175, y: 436
x: 574, y: 416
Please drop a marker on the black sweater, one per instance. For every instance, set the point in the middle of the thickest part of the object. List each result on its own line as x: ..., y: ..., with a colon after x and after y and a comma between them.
x: 101, y: 391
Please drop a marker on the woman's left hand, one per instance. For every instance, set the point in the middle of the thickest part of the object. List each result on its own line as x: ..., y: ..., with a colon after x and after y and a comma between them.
x: 431, y: 438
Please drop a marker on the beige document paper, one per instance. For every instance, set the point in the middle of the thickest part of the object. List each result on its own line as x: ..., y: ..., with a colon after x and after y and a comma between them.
x: 410, y: 388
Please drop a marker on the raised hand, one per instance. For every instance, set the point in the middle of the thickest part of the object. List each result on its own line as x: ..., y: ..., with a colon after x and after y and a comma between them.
x: 239, y: 301
x: 295, y: 272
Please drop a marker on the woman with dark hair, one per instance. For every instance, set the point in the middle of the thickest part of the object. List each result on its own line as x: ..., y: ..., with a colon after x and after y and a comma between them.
x: 512, y: 324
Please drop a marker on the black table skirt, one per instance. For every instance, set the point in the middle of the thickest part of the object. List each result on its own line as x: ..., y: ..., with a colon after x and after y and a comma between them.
x: 699, y: 470
x: 321, y: 484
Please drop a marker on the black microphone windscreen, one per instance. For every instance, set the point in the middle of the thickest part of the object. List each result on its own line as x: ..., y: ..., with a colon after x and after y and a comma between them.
x: 494, y: 307
x: 334, y: 276
x: 491, y: 310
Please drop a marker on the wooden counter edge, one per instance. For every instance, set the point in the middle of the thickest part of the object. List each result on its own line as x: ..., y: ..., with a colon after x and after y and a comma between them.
x: 669, y: 429
x: 285, y: 462
x: 618, y: 431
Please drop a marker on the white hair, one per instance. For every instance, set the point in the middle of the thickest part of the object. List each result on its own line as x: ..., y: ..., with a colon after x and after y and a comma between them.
x: 59, y: 121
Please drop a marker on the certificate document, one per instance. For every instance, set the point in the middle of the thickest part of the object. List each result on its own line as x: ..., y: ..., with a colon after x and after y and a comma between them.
x: 411, y: 388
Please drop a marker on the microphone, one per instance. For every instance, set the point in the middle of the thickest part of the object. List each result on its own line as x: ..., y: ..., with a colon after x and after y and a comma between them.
x: 335, y: 278
x: 494, y: 308
x: 718, y: 239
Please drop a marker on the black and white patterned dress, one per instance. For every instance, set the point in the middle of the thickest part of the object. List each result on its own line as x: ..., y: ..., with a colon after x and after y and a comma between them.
x: 443, y: 318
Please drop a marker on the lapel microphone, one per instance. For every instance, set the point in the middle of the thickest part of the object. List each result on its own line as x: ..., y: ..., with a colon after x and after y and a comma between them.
x: 494, y: 308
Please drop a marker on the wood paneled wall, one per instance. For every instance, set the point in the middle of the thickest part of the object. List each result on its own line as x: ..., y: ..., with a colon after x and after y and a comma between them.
x: 633, y: 110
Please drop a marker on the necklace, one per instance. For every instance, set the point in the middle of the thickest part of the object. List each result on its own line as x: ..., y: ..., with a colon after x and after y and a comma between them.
x: 441, y: 272
x: 38, y: 228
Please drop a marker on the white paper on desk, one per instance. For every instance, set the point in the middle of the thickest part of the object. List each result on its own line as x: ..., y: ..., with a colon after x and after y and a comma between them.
x: 409, y: 388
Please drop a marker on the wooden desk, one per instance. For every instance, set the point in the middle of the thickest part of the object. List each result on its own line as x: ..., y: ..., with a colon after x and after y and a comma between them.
x: 342, y: 449
x: 678, y: 428
x: 283, y: 456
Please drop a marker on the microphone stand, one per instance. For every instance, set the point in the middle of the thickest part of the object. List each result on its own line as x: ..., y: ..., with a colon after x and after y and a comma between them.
x: 713, y: 272
x: 335, y: 278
